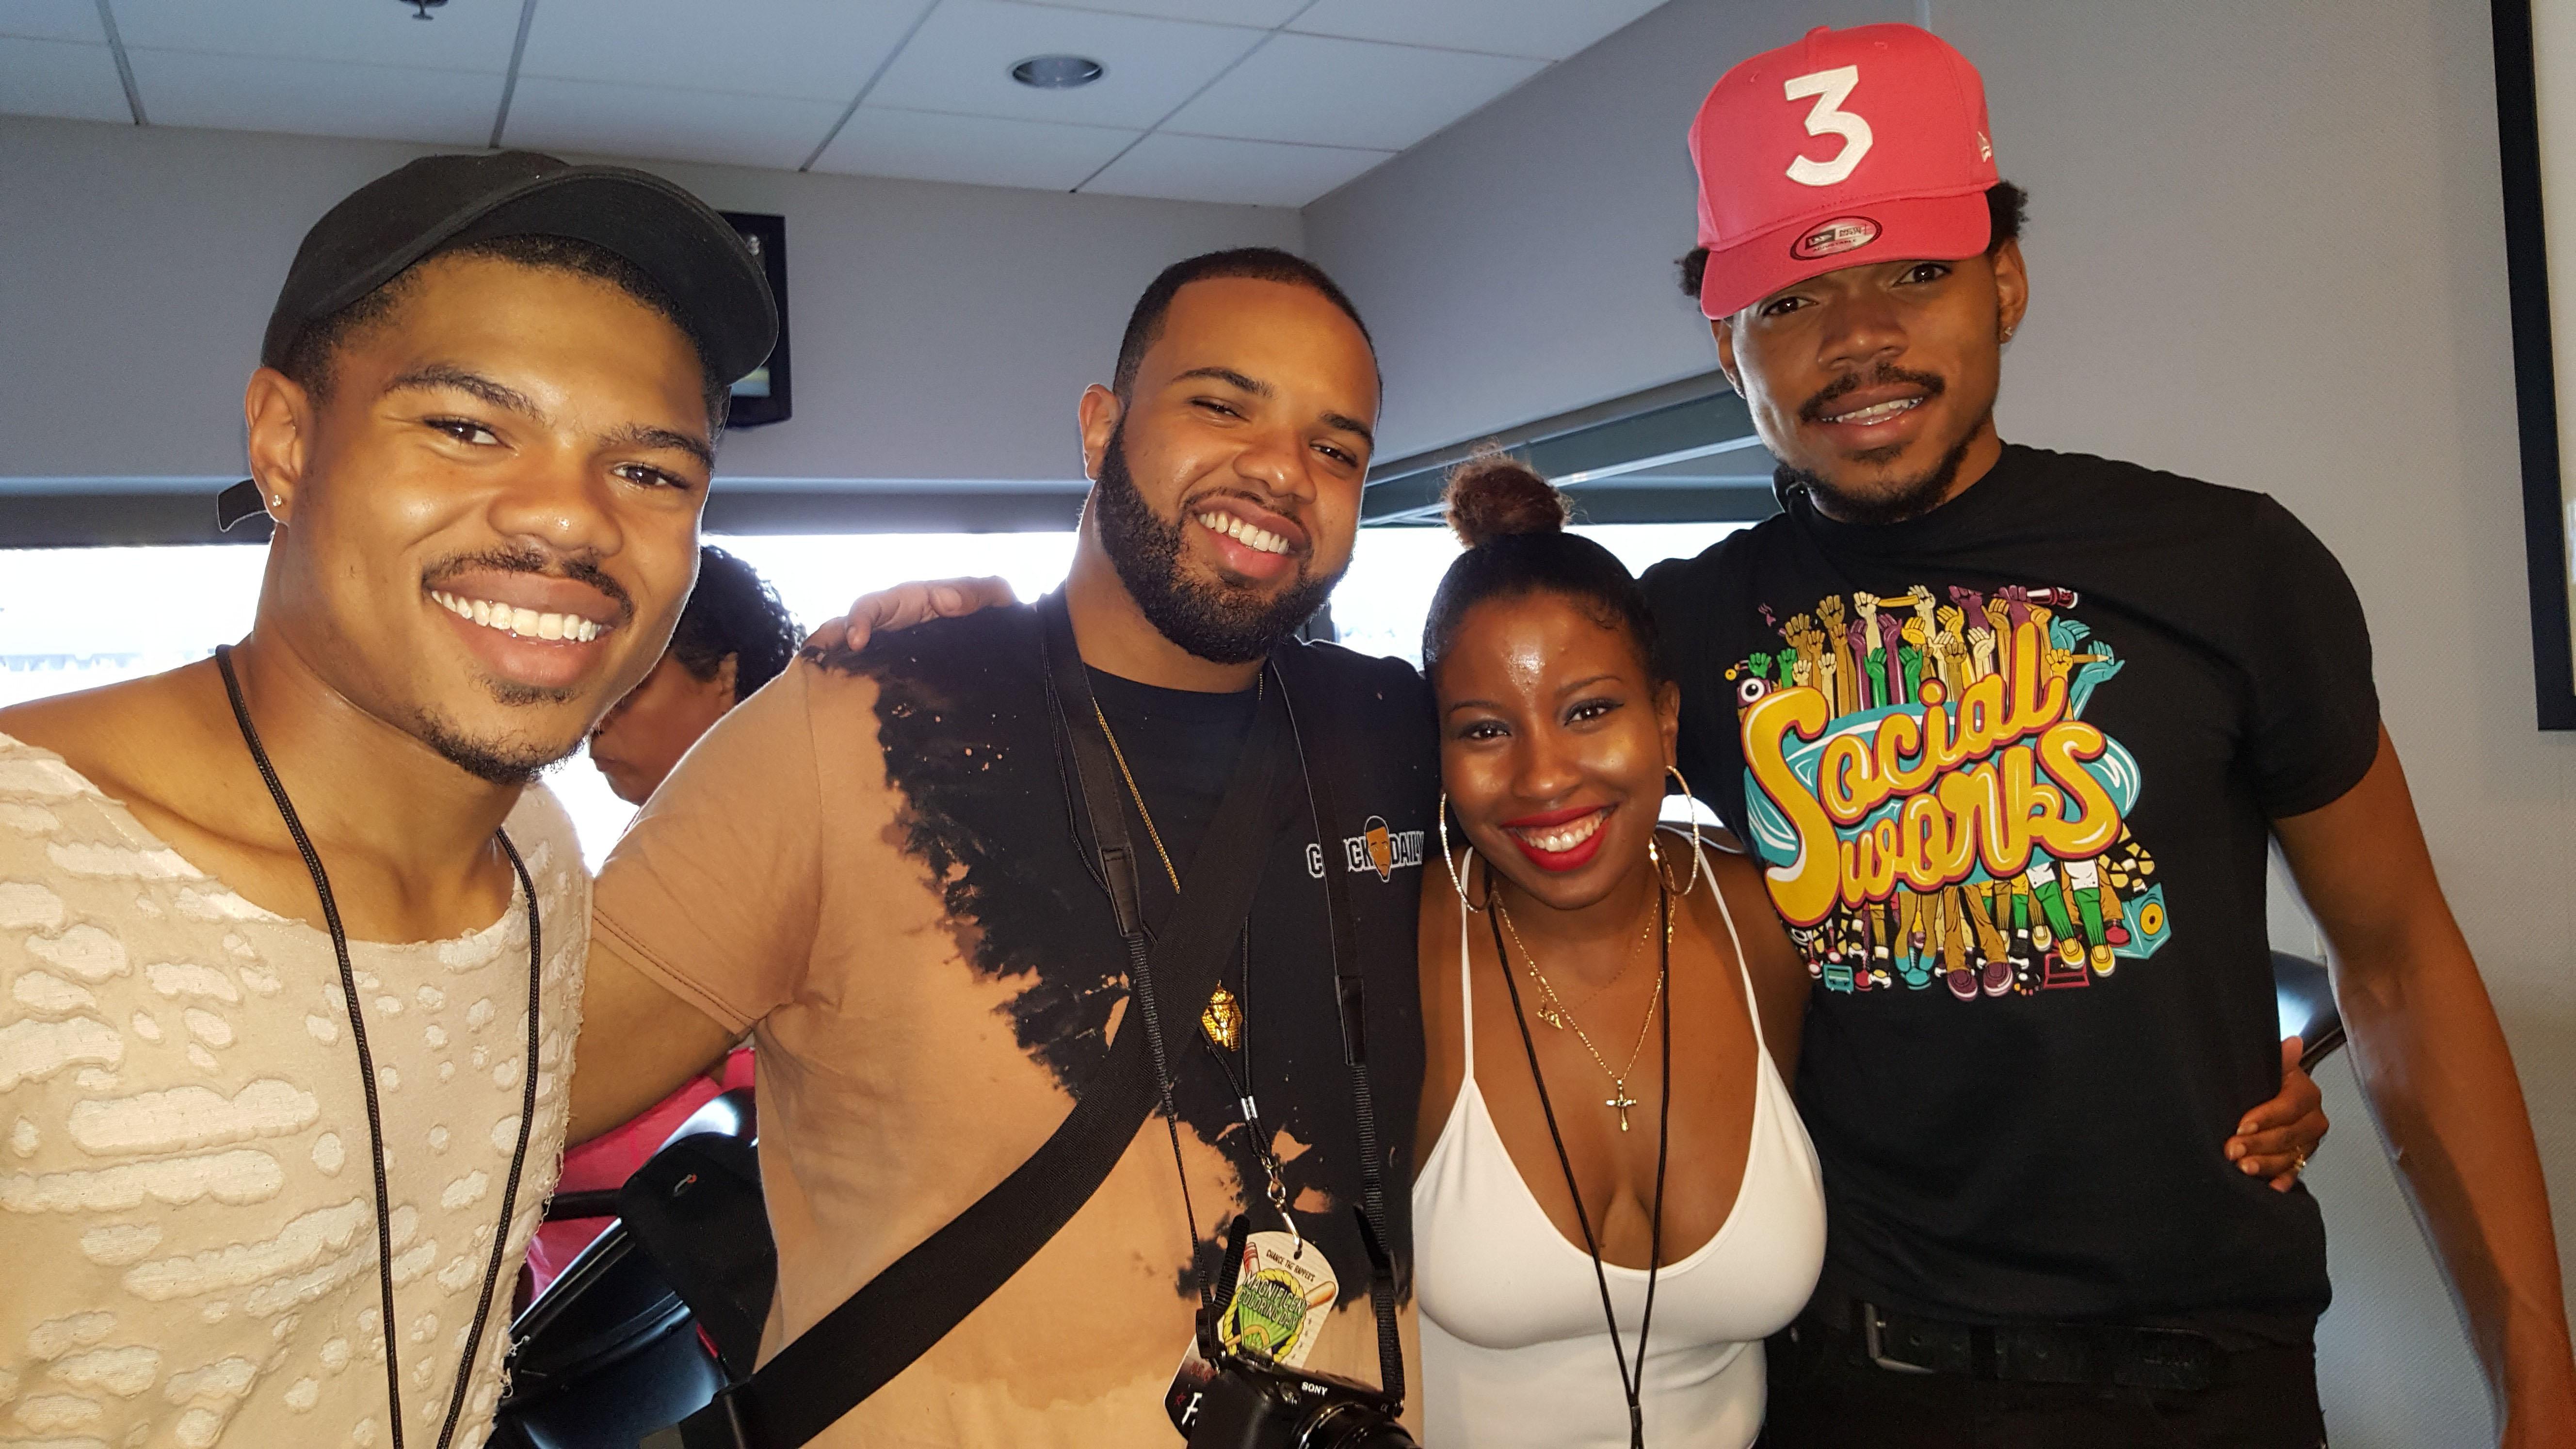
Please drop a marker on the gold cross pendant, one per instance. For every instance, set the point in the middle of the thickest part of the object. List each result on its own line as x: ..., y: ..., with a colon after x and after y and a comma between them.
x: 1620, y: 1102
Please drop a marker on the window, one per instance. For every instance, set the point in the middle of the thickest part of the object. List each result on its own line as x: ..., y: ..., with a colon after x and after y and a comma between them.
x: 77, y: 618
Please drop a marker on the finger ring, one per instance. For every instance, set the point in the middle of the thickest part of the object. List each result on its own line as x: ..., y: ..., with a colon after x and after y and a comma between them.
x: 2300, y: 1164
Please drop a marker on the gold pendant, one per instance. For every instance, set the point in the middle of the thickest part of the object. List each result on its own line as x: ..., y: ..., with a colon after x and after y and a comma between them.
x: 1621, y: 1102
x: 1546, y: 1012
x: 1223, y: 1019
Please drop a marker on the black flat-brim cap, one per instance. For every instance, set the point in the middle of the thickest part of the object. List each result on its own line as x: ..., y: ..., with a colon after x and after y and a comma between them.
x: 397, y: 219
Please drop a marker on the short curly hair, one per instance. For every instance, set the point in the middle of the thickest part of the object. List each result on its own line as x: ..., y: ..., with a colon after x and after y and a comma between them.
x: 733, y: 612
x: 2007, y: 207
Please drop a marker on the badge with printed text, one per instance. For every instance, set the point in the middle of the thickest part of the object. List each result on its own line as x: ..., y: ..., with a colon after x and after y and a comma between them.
x: 1282, y: 1295
x: 1281, y: 1298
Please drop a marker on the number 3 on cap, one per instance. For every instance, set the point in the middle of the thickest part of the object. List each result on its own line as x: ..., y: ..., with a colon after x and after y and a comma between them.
x: 1831, y: 88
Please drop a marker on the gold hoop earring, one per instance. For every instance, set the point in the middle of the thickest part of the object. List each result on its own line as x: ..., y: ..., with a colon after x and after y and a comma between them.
x: 1450, y: 860
x: 1696, y: 847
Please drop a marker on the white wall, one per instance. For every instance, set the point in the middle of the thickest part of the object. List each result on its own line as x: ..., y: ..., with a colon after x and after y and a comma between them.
x: 1521, y: 263
x: 939, y: 331
x: 2267, y: 249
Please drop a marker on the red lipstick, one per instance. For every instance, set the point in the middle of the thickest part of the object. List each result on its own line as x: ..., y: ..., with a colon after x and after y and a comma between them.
x: 1574, y: 857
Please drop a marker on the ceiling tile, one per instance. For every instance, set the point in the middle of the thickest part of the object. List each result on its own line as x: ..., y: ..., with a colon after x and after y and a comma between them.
x: 1547, y: 29
x: 316, y: 98
x: 961, y: 59
x: 1250, y: 173
x: 473, y: 36
x: 667, y: 123
x: 1262, y: 13
x: 54, y: 78
x: 821, y: 50
x: 1348, y: 93
x: 975, y: 150
x: 53, y: 20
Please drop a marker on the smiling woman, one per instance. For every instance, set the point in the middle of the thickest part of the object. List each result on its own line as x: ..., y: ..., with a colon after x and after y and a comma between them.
x: 1605, y: 1105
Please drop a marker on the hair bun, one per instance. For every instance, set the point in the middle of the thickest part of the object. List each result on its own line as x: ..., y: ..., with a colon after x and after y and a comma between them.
x: 1492, y: 496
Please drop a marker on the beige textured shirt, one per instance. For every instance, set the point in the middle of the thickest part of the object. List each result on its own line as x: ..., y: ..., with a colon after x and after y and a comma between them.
x: 187, y: 1209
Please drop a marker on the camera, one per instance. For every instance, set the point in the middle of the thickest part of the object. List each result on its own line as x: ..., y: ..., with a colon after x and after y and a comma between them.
x: 1251, y: 1404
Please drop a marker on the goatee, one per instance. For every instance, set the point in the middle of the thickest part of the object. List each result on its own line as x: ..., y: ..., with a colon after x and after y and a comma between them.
x: 499, y: 763
x: 1891, y: 502
x: 1894, y: 500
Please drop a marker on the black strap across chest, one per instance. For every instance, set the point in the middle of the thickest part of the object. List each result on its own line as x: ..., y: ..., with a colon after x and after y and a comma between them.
x: 902, y: 1312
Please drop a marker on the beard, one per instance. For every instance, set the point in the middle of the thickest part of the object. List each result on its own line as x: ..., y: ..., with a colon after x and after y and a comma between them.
x: 1221, y: 622
x: 1891, y: 500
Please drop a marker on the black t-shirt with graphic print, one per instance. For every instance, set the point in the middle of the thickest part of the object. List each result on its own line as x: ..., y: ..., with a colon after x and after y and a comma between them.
x: 2011, y: 767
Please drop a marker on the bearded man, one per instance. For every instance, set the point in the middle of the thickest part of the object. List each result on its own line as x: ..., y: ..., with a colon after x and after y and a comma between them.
x: 870, y: 866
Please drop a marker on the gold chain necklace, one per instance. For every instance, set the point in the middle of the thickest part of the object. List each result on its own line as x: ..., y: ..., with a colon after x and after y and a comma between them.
x: 1553, y: 1009
x: 1222, y: 1020
x: 1618, y: 1101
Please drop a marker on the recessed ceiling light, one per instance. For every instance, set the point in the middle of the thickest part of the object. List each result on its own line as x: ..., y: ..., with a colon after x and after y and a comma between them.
x: 1057, y: 72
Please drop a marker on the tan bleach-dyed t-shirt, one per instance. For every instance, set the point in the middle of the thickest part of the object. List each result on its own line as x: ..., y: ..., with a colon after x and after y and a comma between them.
x: 869, y: 863
x: 187, y: 1210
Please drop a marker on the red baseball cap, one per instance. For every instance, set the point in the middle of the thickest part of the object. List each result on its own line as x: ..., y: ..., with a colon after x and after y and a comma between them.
x: 1846, y: 148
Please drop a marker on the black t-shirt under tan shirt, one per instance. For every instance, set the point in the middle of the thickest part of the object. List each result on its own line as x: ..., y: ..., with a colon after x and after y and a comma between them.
x: 2012, y: 767
x: 871, y: 861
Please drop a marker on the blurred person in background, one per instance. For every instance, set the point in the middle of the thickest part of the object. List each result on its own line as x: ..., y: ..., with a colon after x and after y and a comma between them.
x: 734, y: 637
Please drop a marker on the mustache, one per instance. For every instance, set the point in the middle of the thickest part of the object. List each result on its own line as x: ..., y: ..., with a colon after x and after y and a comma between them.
x: 1286, y: 508
x: 580, y: 569
x: 1883, y: 375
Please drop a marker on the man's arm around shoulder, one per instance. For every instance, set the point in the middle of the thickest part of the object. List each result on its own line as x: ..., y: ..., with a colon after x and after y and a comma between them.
x: 639, y: 1042
x: 2441, y: 1082
x: 704, y: 916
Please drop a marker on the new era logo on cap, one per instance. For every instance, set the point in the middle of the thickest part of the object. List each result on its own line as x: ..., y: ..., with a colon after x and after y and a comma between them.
x: 1846, y: 148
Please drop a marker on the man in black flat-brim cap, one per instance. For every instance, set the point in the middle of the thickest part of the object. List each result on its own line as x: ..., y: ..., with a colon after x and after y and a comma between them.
x: 291, y: 952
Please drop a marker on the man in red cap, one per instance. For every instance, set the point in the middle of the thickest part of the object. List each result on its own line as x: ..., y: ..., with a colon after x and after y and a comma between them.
x: 2014, y: 731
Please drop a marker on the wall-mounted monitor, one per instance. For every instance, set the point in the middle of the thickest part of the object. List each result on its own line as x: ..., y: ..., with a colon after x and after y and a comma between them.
x: 767, y: 395
x: 2535, y: 50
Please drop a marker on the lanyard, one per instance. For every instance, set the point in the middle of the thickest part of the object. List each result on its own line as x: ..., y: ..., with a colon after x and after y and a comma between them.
x: 367, y: 1073
x: 1091, y: 799
x: 1241, y: 1028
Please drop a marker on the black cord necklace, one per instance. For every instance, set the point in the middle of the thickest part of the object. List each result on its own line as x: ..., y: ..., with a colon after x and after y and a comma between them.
x: 1632, y: 1386
x: 367, y: 1071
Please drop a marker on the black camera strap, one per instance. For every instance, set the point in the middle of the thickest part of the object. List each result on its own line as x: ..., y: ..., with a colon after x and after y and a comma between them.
x: 902, y: 1312
x: 1350, y: 999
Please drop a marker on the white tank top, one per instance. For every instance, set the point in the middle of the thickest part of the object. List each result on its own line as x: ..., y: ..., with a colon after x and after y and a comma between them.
x: 1514, y: 1350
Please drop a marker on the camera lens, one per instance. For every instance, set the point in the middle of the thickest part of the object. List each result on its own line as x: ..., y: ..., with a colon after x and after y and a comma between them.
x: 1353, y: 1426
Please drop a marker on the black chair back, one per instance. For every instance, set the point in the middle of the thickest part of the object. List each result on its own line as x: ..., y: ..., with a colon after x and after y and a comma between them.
x: 662, y: 1309
x: 2308, y: 1009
